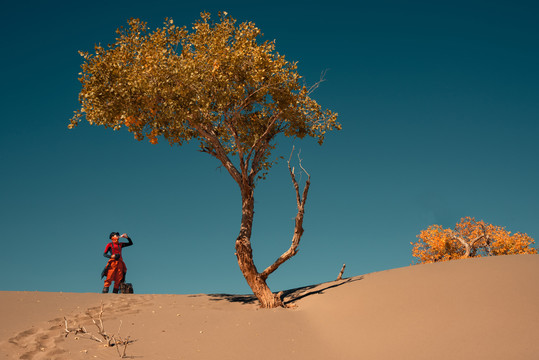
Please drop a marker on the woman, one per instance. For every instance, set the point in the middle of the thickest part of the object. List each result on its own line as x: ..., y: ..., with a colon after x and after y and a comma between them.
x: 115, y: 269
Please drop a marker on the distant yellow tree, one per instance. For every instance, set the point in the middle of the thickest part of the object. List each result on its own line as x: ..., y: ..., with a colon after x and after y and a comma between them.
x: 469, y: 238
x: 217, y: 85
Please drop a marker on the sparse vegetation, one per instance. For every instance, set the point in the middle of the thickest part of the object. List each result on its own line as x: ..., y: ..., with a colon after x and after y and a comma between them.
x: 108, y: 340
x: 469, y: 238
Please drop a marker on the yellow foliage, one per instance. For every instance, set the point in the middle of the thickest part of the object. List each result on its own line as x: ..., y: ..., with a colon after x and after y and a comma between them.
x: 216, y: 83
x: 469, y: 238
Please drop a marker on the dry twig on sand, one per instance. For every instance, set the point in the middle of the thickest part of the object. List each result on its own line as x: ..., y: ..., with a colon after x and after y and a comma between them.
x: 79, y: 330
x: 118, y: 340
x: 111, y: 340
x: 100, y: 326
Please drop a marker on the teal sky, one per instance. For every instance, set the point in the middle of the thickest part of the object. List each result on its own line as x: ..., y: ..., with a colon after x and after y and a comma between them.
x: 439, y: 103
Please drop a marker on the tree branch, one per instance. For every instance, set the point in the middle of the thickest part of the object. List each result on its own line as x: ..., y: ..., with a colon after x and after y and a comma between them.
x: 260, y: 150
x: 100, y: 326
x: 219, y: 152
x: 342, y: 272
x: 79, y: 330
x: 317, y: 84
x: 468, y: 245
x: 273, y: 119
x: 298, y: 230
x: 247, y: 100
x: 243, y: 165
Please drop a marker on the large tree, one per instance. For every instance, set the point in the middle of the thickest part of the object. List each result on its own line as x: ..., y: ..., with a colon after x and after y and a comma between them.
x: 216, y: 84
x: 469, y: 238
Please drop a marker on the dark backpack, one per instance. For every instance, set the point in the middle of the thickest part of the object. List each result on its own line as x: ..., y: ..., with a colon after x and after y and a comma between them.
x: 126, y: 288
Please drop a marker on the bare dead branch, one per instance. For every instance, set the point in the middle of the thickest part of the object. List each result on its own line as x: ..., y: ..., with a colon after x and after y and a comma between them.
x: 99, y: 324
x: 111, y: 340
x: 117, y: 341
x: 125, y: 346
x: 118, y: 347
x: 341, y: 273
x: 317, y: 84
x: 298, y: 229
x: 300, y: 165
x: 119, y: 327
x: 79, y: 330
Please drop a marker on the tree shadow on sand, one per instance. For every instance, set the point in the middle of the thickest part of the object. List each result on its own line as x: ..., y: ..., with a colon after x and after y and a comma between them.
x: 289, y: 296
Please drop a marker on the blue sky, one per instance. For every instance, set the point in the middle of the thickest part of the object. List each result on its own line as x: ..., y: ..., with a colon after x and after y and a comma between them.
x: 439, y: 103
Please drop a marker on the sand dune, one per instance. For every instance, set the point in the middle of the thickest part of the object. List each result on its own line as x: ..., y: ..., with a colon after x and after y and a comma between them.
x: 468, y: 309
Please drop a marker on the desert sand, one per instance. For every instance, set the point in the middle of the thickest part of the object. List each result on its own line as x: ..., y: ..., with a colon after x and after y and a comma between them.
x: 483, y: 308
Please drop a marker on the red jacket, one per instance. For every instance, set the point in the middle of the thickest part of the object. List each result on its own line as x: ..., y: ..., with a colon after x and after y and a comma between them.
x: 116, y: 248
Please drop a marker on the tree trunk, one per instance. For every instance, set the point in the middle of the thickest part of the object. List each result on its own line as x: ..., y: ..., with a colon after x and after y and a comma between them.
x: 469, y: 246
x: 244, y: 253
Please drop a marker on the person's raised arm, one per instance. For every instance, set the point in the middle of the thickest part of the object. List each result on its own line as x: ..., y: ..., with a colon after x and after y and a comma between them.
x: 128, y: 239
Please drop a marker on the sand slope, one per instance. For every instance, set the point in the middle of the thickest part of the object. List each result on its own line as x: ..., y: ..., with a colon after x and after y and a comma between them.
x: 469, y: 309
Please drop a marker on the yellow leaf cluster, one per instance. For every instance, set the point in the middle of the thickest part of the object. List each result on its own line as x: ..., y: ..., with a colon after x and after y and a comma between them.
x: 469, y: 238
x: 217, y: 83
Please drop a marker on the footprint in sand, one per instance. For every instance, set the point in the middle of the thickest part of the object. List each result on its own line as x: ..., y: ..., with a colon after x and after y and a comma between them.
x: 21, y: 338
x: 40, y: 343
x: 124, y: 305
x: 37, y: 343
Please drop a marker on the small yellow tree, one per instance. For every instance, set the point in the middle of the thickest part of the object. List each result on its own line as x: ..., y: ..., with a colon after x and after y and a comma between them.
x: 217, y: 85
x: 469, y: 238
